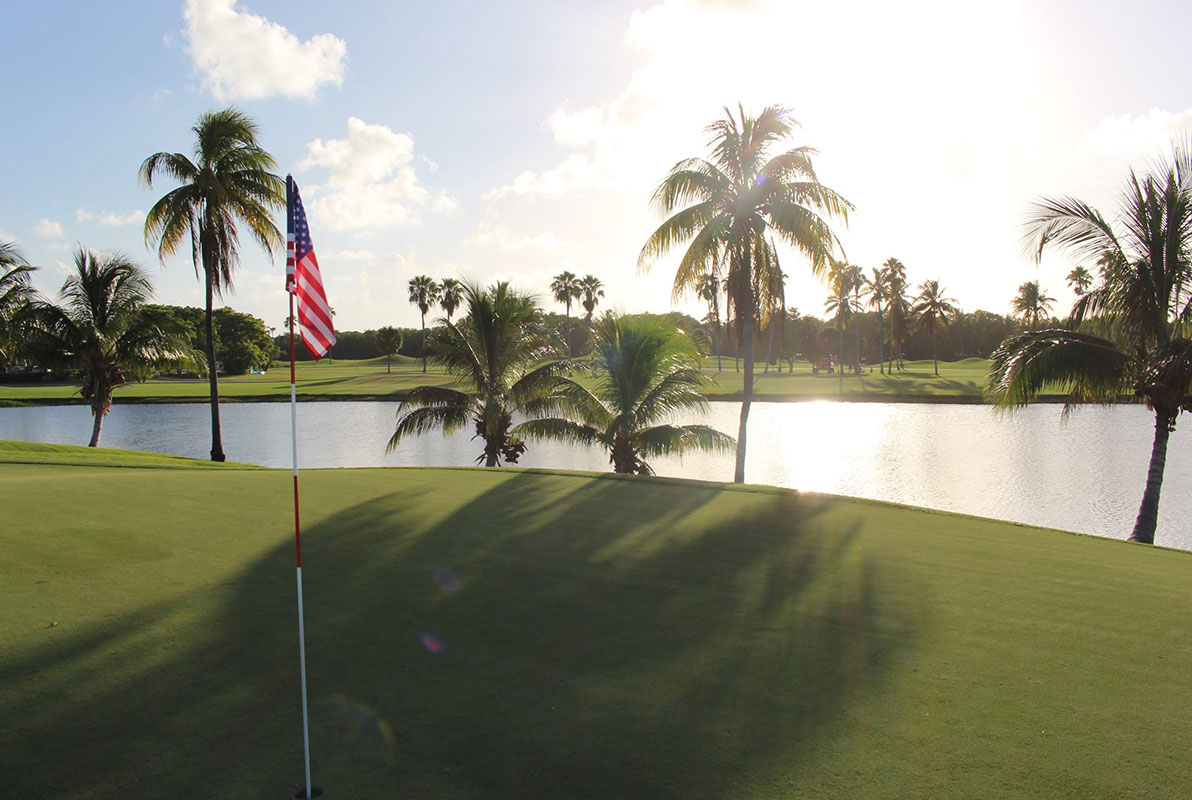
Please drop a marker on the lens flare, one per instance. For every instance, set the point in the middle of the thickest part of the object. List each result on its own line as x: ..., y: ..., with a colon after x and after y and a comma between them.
x: 432, y: 643
x: 446, y: 580
x: 356, y: 727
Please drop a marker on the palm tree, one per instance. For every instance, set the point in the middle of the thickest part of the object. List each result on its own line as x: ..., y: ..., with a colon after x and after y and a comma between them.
x: 898, y: 305
x: 728, y: 207
x: 1080, y: 279
x: 229, y: 181
x: 590, y: 293
x: 103, y: 333
x: 424, y: 293
x: 840, y: 305
x: 646, y: 371
x: 708, y: 290
x: 1032, y: 304
x: 933, y: 310
x: 856, y: 279
x: 505, y: 352
x: 565, y: 288
x: 1141, y: 301
x: 877, y: 292
x: 451, y: 294
x: 16, y: 294
x: 388, y: 342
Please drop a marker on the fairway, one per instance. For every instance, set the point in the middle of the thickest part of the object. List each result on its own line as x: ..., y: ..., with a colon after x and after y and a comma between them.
x: 512, y: 634
x: 340, y: 379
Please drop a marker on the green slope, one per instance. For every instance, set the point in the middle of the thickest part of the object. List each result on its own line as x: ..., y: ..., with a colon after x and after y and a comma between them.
x: 601, y: 637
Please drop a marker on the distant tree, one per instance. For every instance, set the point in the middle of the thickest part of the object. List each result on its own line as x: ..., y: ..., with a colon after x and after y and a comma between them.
x: 839, y: 305
x: 898, y: 306
x: 16, y: 294
x: 1032, y: 304
x: 242, y: 342
x: 708, y: 290
x: 646, y: 370
x: 1080, y: 279
x: 877, y: 291
x: 389, y: 342
x: 229, y: 181
x: 424, y: 293
x: 565, y: 288
x: 451, y: 294
x: 933, y: 311
x: 590, y: 294
x: 503, y: 351
x: 103, y: 332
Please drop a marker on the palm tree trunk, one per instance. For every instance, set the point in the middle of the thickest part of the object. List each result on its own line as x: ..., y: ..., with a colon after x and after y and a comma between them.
x: 716, y: 340
x: 881, y: 343
x: 857, y: 322
x: 217, y: 451
x: 746, y: 399
x: 98, y: 406
x: 423, y: 342
x: 1148, y: 510
x: 388, y: 363
x: 770, y: 346
x: 840, y: 358
x: 934, y: 354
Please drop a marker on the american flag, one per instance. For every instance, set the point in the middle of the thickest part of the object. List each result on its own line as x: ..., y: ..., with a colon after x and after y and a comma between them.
x: 303, y: 279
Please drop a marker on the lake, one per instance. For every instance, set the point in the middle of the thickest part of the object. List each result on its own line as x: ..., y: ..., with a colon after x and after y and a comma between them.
x: 1086, y: 475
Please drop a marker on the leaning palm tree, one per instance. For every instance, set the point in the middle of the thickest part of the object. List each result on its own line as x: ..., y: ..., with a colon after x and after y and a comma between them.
x: 646, y: 371
x: 591, y: 290
x: 933, y: 310
x: 1141, y: 301
x: 502, y: 349
x: 424, y: 293
x: 1080, y: 279
x: 103, y: 332
x: 229, y: 181
x: 1032, y: 304
x: 16, y: 295
x: 451, y: 295
x: 728, y: 208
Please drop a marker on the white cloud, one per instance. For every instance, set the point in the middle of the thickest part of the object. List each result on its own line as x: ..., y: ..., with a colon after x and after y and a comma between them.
x: 109, y: 219
x: 242, y: 56
x: 492, y: 234
x: 45, y: 229
x: 371, y: 180
x: 575, y: 172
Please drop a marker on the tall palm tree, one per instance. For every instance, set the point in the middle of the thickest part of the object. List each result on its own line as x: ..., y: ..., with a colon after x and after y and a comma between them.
x: 424, y: 293
x: 708, y: 290
x: 591, y: 290
x: 502, y: 349
x: 103, y: 332
x: 451, y: 295
x: 16, y: 294
x: 856, y: 280
x: 1141, y: 301
x: 876, y: 291
x: 565, y: 288
x: 839, y: 304
x: 1032, y: 304
x: 933, y: 311
x: 646, y: 371
x: 898, y: 306
x: 728, y: 207
x: 230, y: 181
x: 1080, y: 279
x: 388, y: 342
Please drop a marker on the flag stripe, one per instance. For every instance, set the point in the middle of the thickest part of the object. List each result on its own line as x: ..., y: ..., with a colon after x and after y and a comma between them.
x: 304, y: 280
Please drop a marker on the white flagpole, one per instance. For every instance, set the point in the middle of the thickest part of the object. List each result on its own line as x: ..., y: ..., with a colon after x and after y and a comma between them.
x: 298, y: 542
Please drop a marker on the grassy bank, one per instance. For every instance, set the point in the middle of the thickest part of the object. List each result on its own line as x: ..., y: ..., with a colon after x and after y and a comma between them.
x: 338, y: 379
x: 512, y: 634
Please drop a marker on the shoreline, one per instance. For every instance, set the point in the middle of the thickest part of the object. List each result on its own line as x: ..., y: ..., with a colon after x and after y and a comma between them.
x: 971, y: 400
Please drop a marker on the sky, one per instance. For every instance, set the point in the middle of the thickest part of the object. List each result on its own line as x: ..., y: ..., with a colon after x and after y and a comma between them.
x: 514, y: 140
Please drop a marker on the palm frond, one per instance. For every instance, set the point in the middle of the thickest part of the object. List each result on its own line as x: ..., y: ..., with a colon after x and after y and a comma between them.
x: 1089, y: 368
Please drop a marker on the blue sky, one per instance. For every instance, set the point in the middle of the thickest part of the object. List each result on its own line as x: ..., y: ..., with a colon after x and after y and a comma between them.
x: 514, y: 140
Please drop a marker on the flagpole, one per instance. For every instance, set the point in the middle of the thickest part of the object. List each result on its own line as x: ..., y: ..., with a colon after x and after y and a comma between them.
x: 297, y: 526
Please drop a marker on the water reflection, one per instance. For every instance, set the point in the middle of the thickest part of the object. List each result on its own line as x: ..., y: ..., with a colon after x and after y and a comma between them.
x: 1085, y: 476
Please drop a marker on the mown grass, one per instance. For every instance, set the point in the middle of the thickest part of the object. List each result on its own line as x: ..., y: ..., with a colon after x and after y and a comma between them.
x: 596, y: 637
x: 340, y: 379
